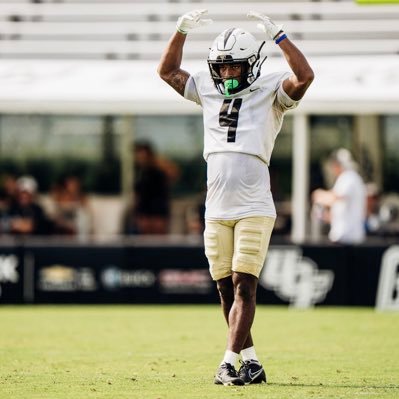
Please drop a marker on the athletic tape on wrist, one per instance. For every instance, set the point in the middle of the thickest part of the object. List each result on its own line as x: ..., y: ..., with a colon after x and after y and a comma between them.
x: 181, y: 31
x: 281, y: 38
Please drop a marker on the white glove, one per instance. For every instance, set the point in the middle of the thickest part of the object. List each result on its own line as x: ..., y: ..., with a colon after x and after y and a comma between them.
x: 266, y: 25
x: 192, y: 20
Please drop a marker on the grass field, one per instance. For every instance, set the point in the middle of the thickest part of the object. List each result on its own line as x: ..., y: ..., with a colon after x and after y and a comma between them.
x: 169, y: 352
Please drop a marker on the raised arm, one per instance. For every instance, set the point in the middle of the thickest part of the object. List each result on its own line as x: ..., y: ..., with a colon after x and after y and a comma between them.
x: 296, y: 85
x: 169, y: 67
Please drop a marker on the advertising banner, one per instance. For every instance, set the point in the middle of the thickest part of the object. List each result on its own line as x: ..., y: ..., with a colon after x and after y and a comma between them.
x: 11, y: 275
x: 299, y: 276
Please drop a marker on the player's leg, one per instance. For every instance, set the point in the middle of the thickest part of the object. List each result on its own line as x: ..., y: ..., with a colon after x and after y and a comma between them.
x: 226, y: 294
x: 219, y: 241
x: 242, y: 312
x: 237, y: 295
x: 251, y: 242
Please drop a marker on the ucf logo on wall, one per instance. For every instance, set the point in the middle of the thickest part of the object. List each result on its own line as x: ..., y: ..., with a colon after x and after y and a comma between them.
x: 388, y: 285
x: 295, y: 278
x: 8, y: 270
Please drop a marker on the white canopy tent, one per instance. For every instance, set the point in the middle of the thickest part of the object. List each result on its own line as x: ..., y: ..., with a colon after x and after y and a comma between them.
x: 343, y: 85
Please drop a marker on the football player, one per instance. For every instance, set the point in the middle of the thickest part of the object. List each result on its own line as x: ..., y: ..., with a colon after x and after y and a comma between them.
x: 242, y: 113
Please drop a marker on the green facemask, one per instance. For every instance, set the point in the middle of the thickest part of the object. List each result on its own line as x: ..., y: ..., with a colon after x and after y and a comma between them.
x: 230, y: 84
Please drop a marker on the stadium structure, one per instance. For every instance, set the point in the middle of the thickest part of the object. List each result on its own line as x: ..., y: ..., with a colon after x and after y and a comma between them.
x: 96, y: 58
x: 100, y: 58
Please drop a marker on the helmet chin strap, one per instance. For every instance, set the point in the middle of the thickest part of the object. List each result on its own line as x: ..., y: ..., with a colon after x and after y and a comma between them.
x: 230, y: 84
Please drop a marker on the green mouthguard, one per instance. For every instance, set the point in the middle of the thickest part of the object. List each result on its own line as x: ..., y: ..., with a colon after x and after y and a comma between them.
x: 230, y: 84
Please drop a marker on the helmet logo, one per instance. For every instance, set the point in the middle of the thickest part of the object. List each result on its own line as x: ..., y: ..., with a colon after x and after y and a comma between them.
x: 227, y: 35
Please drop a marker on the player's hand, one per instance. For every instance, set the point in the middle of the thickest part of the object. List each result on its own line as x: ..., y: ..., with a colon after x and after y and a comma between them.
x: 266, y: 24
x: 192, y: 20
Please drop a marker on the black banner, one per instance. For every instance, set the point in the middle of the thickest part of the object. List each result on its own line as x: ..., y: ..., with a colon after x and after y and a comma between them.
x: 300, y: 276
x: 11, y: 274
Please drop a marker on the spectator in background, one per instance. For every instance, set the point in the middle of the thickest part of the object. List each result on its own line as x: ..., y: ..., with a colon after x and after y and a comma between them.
x: 25, y: 215
x: 72, y: 214
x: 345, y: 203
x: 195, y: 216
x: 4, y: 207
x: 8, y: 193
x: 170, y: 169
x: 8, y: 190
x: 373, y: 219
x: 151, y: 210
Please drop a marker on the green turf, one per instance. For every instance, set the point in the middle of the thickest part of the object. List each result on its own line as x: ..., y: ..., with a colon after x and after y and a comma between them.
x: 170, y: 352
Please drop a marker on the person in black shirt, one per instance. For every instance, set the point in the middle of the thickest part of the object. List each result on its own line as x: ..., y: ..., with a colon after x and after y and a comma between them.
x: 151, y: 192
x: 26, y: 216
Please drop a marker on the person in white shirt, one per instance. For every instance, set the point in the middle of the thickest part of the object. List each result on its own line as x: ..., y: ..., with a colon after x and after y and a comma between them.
x: 346, y: 200
x: 242, y: 113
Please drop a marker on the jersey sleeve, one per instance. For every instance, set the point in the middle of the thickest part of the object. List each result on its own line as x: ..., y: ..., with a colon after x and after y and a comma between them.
x: 283, y: 101
x: 190, y: 91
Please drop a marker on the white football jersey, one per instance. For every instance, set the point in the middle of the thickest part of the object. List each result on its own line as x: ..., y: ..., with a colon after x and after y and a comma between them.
x: 246, y: 122
x: 244, y: 125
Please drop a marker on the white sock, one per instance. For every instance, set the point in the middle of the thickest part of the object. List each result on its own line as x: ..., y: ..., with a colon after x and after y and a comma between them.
x: 249, y: 354
x: 230, y: 357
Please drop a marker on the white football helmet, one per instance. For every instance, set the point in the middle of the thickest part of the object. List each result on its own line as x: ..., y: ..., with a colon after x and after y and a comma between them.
x: 235, y: 46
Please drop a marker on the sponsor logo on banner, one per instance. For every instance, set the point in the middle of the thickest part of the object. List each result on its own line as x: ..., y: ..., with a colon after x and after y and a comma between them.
x: 295, y: 278
x: 177, y: 281
x: 114, y: 278
x: 8, y: 270
x: 388, y: 284
x: 63, y: 278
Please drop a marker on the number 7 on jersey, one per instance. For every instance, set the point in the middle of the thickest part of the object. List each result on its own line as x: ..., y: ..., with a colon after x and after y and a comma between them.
x: 230, y: 119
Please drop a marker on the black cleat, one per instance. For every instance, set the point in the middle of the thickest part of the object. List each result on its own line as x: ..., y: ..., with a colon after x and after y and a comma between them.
x: 252, y: 372
x: 226, y: 374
